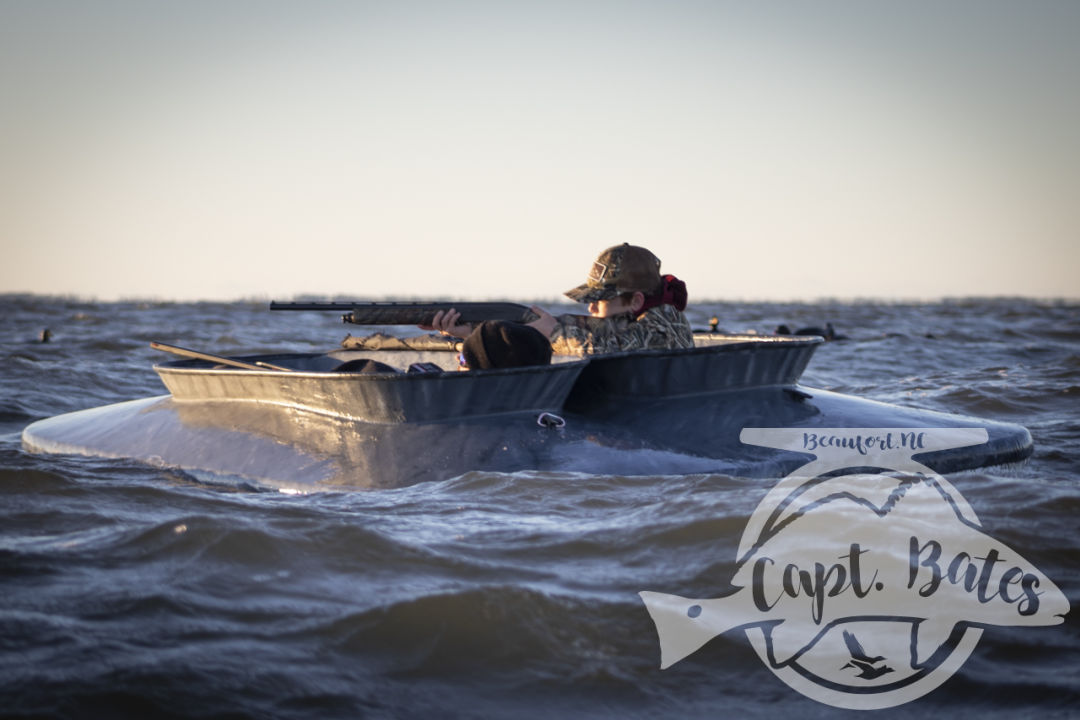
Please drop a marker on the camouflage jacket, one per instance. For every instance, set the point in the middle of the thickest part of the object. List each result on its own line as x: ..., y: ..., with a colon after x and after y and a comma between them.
x: 658, y: 328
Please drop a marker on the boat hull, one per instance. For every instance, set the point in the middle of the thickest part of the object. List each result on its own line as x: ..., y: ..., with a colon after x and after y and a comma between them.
x: 642, y: 413
x: 299, y: 450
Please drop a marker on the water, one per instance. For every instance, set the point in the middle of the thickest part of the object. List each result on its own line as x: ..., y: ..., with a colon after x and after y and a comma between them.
x: 131, y: 591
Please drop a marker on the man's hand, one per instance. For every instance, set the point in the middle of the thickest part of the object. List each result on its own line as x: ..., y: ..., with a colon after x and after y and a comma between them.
x: 546, y: 323
x: 446, y: 322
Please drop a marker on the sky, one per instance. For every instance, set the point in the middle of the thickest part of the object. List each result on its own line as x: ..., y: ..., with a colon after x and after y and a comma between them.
x: 491, y: 150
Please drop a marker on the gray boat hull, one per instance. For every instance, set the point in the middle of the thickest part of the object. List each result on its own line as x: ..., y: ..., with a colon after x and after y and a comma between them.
x: 643, y: 413
x: 297, y: 450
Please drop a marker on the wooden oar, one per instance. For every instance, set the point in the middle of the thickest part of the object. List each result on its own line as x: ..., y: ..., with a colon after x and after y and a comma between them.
x: 195, y: 354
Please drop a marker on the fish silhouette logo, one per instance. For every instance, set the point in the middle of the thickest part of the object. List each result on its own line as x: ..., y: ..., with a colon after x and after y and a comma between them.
x: 864, y: 579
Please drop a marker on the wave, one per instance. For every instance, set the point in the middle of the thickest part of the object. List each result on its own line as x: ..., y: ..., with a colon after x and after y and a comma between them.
x: 130, y: 590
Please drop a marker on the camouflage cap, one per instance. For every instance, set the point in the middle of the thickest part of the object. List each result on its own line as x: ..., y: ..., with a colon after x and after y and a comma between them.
x: 619, y: 269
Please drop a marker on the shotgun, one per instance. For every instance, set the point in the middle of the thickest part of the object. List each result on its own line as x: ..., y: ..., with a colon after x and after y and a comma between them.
x: 413, y: 313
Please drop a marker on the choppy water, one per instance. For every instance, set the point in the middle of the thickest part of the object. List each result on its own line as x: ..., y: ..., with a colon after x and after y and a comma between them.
x: 130, y: 591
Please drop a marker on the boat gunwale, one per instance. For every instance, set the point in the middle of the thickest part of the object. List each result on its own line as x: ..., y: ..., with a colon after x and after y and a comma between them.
x: 721, y: 345
x: 396, y: 396
x: 190, y: 367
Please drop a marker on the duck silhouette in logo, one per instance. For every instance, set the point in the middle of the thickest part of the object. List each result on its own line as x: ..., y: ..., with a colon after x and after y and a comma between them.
x: 867, y: 666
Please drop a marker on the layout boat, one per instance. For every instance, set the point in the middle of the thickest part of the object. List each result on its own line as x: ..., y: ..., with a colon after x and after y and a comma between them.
x: 298, y: 422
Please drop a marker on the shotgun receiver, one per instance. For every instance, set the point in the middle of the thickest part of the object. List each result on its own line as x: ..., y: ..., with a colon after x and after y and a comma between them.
x: 413, y: 313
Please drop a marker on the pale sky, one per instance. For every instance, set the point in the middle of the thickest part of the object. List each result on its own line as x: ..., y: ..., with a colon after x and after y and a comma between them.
x: 781, y: 150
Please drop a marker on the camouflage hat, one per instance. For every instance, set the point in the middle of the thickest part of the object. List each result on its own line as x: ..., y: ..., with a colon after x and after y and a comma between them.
x: 619, y: 269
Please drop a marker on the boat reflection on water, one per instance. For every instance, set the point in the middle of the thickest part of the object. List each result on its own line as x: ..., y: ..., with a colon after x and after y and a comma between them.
x: 307, y: 427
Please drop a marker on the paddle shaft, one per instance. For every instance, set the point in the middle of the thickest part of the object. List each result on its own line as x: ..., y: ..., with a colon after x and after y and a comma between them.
x: 195, y: 354
x: 413, y: 313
